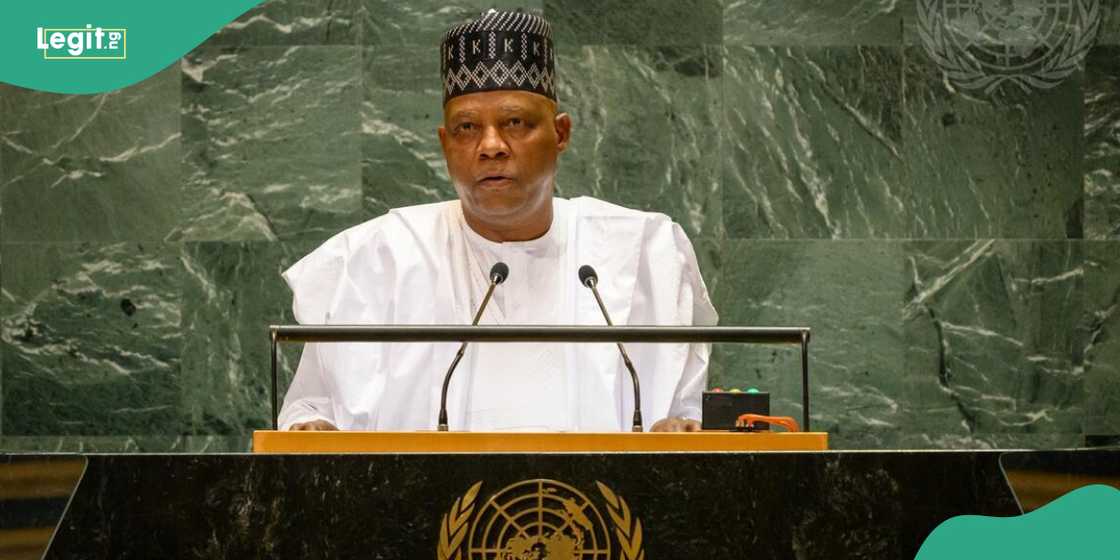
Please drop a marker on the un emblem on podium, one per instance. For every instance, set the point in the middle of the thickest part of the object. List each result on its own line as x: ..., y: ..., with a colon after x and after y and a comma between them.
x: 539, y: 519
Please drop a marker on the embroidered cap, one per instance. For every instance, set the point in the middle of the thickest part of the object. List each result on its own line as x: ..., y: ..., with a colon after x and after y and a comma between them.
x: 498, y: 51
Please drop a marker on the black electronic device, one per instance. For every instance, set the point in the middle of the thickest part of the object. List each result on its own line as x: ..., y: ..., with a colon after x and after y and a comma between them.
x: 720, y: 409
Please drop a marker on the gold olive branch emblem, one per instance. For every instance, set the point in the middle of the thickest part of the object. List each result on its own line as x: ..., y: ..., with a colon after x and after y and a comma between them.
x: 628, y: 530
x: 453, y: 526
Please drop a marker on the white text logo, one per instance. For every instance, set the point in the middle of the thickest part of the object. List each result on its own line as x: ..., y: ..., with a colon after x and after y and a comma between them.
x: 89, y: 43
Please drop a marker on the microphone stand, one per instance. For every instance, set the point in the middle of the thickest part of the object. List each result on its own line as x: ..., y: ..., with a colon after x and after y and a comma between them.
x: 497, y: 276
x: 590, y: 282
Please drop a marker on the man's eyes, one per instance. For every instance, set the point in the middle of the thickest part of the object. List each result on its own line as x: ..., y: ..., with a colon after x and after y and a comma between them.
x: 470, y: 127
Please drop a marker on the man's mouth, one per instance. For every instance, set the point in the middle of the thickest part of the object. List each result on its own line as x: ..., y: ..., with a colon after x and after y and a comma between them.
x: 494, y: 181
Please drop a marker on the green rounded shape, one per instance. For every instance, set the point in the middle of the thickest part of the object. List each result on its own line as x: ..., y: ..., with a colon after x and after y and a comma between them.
x: 146, y: 38
x: 1080, y: 524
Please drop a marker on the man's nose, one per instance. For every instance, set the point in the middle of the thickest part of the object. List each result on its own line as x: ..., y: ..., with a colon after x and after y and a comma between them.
x: 492, y: 145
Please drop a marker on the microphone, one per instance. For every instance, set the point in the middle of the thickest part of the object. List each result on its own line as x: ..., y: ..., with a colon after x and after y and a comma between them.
x: 498, y: 274
x: 588, y: 278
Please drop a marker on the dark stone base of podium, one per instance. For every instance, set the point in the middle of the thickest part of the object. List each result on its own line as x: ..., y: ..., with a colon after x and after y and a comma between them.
x: 728, y: 505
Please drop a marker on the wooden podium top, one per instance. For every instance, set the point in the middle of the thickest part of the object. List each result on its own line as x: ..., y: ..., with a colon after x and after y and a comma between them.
x: 268, y: 441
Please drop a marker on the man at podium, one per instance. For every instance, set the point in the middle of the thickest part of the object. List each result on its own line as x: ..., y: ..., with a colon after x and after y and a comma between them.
x: 502, y: 134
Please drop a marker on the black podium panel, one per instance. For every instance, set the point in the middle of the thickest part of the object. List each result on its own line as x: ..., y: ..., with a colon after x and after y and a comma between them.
x: 727, y: 505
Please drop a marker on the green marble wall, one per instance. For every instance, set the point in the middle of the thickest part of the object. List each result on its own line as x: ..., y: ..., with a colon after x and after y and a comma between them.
x: 957, y: 255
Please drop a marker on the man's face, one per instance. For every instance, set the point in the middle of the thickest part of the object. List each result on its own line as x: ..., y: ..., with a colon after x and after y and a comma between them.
x: 501, y: 149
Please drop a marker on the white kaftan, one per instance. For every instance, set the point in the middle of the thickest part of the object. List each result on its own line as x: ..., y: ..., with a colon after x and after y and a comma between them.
x: 424, y: 265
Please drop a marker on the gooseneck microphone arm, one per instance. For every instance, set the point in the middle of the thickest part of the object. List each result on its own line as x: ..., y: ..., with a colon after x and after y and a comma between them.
x: 498, y: 274
x: 589, y: 278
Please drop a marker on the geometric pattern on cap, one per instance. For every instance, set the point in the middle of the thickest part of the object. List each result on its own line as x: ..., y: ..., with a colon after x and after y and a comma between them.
x: 503, y: 21
x: 497, y: 74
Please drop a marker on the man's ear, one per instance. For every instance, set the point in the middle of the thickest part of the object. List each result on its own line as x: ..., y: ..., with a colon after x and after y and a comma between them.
x: 442, y: 138
x: 563, y: 124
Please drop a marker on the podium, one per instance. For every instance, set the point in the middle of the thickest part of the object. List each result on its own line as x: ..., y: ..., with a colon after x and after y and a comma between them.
x: 719, y: 504
x: 270, y: 441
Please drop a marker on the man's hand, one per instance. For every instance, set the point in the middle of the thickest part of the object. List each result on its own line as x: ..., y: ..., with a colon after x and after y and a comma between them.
x: 675, y: 424
x: 313, y: 426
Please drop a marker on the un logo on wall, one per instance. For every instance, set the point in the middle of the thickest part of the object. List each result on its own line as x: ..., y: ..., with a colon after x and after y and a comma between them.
x: 981, y: 44
x: 538, y: 519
